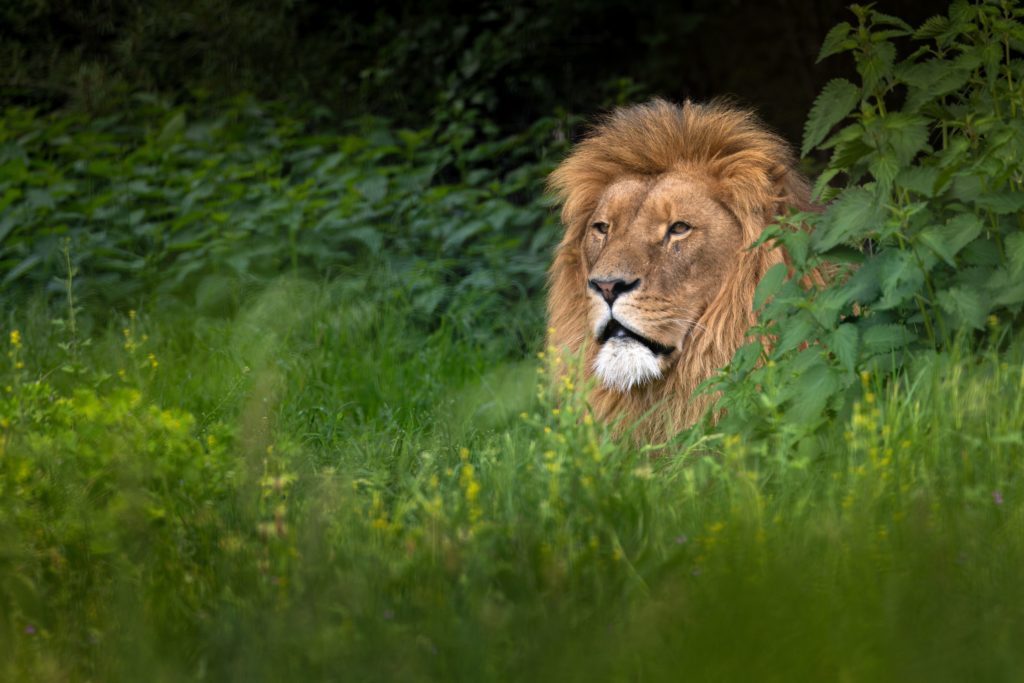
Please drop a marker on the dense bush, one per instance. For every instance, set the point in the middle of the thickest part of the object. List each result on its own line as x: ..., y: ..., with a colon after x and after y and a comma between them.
x: 201, y: 202
x: 924, y: 241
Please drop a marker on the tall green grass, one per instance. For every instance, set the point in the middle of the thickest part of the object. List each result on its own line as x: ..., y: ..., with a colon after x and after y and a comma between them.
x: 317, y: 489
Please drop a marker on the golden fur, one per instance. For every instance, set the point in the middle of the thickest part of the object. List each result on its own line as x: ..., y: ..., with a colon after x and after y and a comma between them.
x: 729, y: 155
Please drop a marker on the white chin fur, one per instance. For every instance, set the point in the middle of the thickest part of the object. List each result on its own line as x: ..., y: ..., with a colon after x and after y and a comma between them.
x: 626, y: 363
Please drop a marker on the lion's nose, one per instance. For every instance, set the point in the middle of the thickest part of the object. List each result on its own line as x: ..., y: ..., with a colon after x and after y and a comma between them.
x: 611, y: 289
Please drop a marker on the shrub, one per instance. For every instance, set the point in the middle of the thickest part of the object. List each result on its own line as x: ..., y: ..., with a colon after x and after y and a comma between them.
x: 924, y: 239
x: 199, y: 203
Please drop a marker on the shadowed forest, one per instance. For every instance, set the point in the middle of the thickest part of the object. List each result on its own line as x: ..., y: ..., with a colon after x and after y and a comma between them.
x: 275, y: 401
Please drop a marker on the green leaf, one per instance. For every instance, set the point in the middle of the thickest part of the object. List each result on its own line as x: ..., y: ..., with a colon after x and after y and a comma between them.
x: 836, y: 41
x: 836, y: 100
x: 822, y: 183
x: 906, y: 134
x: 811, y: 391
x: 174, y: 126
x: 21, y: 268
x: 855, y: 214
x: 828, y: 305
x: 374, y: 188
x: 1006, y: 287
x: 848, y: 153
x: 919, y: 179
x: 931, y: 80
x: 884, y: 168
x: 769, y: 284
x: 794, y: 332
x: 1002, y: 202
x: 877, y: 65
x: 932, y: 27
x: 966, y: 305
x: 460, y: 235
x: 900, y: 278
x: 947, y: 240
x: 367, y: 236
x: 1015, y: 252
x: 843, y: 343
x: 863, y: 286
x: 889, y: 20
x: 885, y: 338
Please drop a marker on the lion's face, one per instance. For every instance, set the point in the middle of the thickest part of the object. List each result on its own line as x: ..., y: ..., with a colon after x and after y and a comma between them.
x: 653, y: 281
x: 657, y: 251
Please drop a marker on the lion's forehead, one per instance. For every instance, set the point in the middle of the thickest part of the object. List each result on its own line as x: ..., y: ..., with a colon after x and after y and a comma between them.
x: 669, y: 193
x: 622, y: 193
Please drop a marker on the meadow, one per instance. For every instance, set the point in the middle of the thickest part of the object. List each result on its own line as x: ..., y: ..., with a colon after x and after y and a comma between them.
x: 276, y: 406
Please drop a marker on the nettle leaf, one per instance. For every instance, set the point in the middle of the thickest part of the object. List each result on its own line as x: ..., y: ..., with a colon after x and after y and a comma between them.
x: 837, y: 40
x: 928, y: 81
x: 848, y: 153
x: 366, y: 236
x: 174, y: 126
x: 966, y: 305
x: 886, y: 338
x: 797, y: 243
x: 1014, y: 245
x: 1006, y: 287
x: 863, y: 286
x: 837, y: 99
x: 828, y: 305
x: 811, y: 392
x: 920, y: 179
x: 843, y: 343
x: 1002, y: 202
x: 856, y: 213
x: 796, y: 330
x: 374, y: 188
x: 821, y: 185
x: 947, y: 240
x: 983, y: 253
x: 877, y: 65
x: 769, y: 284
x: 889, y: 20
x: 900, y: 278
x: 932, y: 27
x: 884, y: 169
x: 906, y: 134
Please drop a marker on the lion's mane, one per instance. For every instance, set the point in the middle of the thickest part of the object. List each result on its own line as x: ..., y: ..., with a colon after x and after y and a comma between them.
x: 752, y: 173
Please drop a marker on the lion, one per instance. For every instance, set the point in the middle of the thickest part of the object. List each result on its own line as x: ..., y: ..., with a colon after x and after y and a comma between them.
x: 654, y: 278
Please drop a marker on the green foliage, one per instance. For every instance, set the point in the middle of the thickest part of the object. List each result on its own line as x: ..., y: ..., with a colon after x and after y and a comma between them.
x: 262, y: 415
x: 421, y: 511
x: 920, y: 246
x: 204, y: 201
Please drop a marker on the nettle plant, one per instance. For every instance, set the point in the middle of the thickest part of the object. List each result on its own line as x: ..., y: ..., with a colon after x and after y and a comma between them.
x: 921, y: 241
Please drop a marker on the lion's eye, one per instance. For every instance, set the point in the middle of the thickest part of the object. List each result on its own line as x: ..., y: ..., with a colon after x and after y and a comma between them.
x: 679, y: 228
x: 601, y: 227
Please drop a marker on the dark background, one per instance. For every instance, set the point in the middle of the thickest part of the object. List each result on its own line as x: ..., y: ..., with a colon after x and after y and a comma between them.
x: 403, y: 60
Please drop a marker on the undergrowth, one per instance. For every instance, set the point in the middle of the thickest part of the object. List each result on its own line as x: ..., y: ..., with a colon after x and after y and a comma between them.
x: 211, y: 499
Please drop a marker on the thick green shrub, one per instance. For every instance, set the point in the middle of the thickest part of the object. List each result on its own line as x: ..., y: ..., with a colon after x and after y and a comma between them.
x: 923, y: 241
x: 108, y: 500
x: 201, y: 202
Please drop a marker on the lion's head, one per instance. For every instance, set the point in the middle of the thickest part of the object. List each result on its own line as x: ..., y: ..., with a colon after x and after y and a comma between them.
x: 655, y: 277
